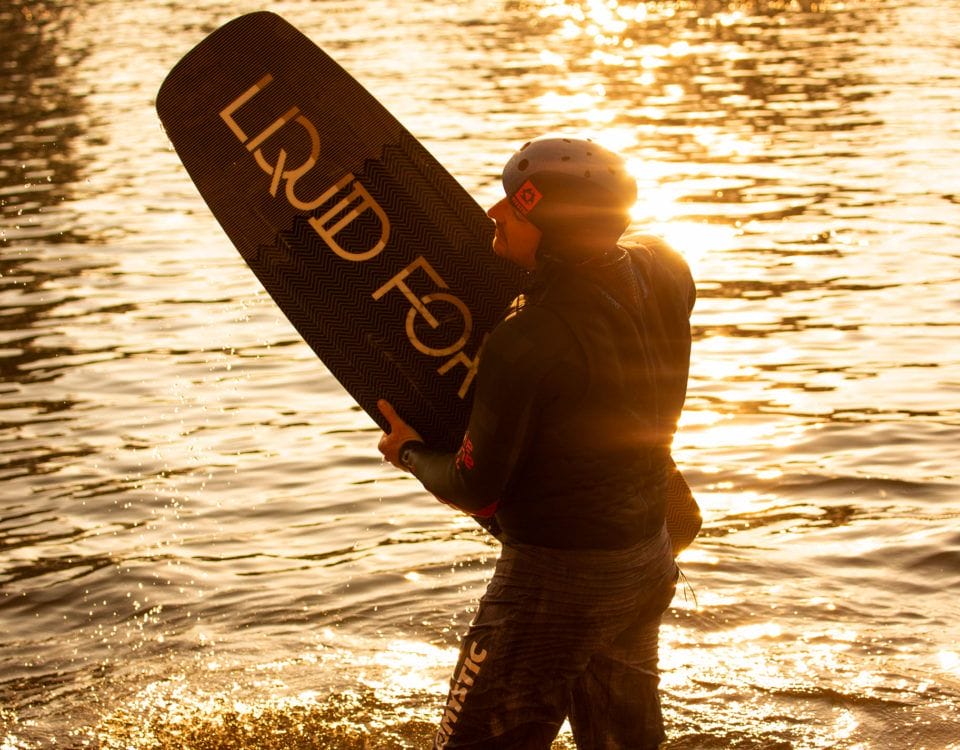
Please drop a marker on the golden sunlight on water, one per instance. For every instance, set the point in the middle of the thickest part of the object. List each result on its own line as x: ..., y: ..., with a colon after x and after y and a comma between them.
x: 221, y: 705
x: 199, y: 546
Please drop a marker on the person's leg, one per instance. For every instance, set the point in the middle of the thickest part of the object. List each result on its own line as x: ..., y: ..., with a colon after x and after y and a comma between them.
x: 529, y: 641
x: 499, y: 698
x: 615, y: 704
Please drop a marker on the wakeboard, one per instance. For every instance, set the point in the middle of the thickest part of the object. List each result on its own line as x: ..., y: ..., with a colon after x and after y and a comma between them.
x: 373, y: 251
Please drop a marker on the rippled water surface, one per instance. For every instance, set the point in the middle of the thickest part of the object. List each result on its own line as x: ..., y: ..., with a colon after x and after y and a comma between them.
x: 199, y: 546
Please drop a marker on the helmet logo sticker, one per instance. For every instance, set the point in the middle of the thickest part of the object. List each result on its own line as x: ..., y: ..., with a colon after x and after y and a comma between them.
x: 526, y: 198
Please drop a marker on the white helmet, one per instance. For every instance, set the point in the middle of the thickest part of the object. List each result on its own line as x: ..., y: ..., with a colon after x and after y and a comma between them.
x: 570, y: 187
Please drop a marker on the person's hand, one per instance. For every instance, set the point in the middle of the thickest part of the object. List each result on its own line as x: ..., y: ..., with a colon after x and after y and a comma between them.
x: 400, y: 434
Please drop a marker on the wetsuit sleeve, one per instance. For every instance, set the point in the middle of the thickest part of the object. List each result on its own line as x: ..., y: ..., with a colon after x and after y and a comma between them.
x: 515, y: 366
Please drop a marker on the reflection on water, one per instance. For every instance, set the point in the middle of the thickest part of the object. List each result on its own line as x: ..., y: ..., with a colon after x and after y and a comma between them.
x: 199, y: 544
x: 391, y: 685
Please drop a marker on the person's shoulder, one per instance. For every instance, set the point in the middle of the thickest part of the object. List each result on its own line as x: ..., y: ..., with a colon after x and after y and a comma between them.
x: 662, y: 264
x: 651, y: 248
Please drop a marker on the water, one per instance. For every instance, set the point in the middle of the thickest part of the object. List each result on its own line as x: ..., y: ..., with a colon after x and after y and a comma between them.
x: 200, y: 545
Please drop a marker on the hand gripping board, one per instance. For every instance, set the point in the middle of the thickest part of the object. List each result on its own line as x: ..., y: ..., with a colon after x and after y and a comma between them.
x: 378, y: 257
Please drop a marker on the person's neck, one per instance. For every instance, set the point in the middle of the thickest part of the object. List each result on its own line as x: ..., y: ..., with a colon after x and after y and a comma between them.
x: 580, y: 257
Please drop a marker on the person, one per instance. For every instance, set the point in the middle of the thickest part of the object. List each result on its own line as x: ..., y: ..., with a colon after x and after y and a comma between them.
x: 578, y: 394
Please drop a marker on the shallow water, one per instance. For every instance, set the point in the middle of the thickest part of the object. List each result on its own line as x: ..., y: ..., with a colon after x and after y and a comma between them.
x: 199, y: 544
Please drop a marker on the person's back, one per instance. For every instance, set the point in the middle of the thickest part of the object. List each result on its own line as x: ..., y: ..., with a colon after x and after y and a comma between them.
x: 613, y: 352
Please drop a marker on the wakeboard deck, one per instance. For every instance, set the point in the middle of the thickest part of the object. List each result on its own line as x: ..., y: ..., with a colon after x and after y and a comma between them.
x: 375, y: 253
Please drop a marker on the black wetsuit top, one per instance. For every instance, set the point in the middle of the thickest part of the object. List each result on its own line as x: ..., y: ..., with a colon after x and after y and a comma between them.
x: 577, y: 399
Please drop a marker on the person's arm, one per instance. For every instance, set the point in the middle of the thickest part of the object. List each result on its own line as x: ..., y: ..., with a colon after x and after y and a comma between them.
x: 520, y: 353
